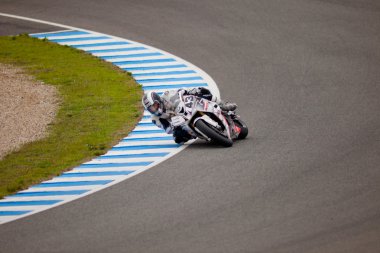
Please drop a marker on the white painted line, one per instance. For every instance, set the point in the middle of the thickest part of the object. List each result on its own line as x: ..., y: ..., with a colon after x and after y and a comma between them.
x: 68, y: 188
x: 129, y: 52
x: 72, y: 36
x: 147, y: 72
x: 86, y: 42
x: 76, y: 179
x: 120, y: 60
x: 134, y: 143
x: 13, y: 198
x: 146, y: 128
x: 158, y: 77
x: 98, y: 169
x: 146, y: 120
x: 118, y: 160
x: 127, y: 46
x: 173, y: 83
x: 140, y: 65
x: 153, y: 150
x: 20, y: 208
x: 130, y: 136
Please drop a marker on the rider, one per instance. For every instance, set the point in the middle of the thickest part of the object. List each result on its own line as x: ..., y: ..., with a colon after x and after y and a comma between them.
x: 164, y: 107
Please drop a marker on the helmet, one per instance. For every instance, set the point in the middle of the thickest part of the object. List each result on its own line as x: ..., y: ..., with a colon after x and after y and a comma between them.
x: 153, y: 103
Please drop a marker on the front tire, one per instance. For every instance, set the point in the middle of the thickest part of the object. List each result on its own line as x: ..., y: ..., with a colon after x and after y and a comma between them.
x: 213, y: 134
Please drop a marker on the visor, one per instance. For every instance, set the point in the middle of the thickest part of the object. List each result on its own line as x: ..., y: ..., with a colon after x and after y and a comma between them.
x: 154, y: 108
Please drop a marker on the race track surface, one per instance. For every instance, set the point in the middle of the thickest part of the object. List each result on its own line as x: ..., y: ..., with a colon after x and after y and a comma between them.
x: 305, y: 74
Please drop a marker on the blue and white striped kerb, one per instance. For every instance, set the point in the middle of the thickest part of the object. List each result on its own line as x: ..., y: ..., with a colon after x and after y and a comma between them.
x: 143, y: 148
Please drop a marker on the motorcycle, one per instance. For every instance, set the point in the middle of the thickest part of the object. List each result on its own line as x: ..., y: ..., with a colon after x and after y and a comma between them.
x: 205, y: 119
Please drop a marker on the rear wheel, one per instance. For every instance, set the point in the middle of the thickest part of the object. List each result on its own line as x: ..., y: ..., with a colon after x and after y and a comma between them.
x: 213, y: 134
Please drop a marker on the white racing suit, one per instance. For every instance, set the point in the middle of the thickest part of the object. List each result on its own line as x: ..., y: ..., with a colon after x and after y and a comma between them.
x: 173, y: 106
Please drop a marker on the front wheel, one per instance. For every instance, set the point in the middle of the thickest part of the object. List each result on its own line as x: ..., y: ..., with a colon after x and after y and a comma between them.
x: 213, y: 134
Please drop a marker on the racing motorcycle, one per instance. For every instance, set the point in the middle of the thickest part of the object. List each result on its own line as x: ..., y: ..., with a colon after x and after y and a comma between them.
x: 204, y: 119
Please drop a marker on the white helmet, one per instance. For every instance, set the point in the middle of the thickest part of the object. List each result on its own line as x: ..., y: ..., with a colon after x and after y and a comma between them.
x: 153, y: 103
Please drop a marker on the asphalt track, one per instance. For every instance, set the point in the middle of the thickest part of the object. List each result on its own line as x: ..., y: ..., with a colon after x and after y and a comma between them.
x: 306, y: 76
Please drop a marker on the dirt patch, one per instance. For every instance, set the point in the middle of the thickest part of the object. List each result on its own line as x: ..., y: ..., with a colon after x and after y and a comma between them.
x: 27, y: 107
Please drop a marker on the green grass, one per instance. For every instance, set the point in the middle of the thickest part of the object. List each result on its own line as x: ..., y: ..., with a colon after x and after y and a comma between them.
x: 99, y: 105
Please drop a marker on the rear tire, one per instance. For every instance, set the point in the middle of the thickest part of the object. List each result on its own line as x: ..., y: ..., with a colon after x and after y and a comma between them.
x: 213, y: 134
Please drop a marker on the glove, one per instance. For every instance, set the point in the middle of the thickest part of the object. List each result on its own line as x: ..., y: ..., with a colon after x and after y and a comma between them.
x: 228, y: 106
x: 182, y: 92
x: 180, y: 108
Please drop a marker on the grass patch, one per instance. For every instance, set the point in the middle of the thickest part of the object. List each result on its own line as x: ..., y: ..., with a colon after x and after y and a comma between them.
x: 100, y: 104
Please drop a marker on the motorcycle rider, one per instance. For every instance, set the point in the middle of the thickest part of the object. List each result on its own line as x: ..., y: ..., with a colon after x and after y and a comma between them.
x: 169, y: 104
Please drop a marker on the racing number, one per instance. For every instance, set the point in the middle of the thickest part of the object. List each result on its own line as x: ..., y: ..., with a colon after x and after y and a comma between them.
x: 189, y: 101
